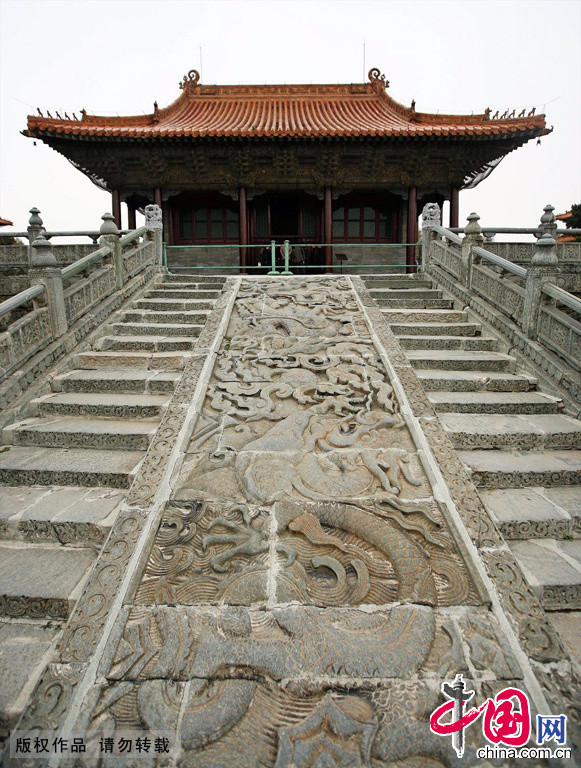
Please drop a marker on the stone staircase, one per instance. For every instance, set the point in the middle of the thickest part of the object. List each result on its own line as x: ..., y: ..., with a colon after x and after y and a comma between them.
x: 65, y: 470
x: 522, y: 450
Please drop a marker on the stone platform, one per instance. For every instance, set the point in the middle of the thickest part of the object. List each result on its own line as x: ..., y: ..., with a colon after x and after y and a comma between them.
x: 298, y: 556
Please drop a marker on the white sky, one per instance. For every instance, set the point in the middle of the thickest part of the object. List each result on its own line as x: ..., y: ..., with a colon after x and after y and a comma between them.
x: 118, y: 56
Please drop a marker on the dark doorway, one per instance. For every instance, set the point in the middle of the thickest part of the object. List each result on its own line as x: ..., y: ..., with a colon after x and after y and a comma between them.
x: 284, y: 219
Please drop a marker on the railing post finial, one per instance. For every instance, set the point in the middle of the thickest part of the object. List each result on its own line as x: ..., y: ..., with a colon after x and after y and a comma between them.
x: 34, y: 220
x: 109, y: 226
x: 473, y: 230
x: 154, y: 223
x: 41, y: 253
x: 431, y: 217
x: 548, y: 221
x: 544, y: 253
x: 35, y: 229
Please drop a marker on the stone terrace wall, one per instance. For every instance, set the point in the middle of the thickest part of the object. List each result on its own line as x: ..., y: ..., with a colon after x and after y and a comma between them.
x: 357, y: 256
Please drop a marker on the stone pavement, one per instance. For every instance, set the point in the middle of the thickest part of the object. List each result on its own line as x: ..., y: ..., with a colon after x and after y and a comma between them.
x: 301, y: 558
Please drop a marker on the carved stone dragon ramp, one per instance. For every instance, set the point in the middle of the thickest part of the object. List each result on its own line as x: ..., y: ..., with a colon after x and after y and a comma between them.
x: 303, y: 594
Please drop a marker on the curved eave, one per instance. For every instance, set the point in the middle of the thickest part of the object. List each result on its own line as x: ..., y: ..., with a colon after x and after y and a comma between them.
x: 468, y: 133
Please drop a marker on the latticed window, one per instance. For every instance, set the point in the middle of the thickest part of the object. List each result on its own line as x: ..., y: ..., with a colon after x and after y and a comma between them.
x: 361, y: 222
x: 208, y: 223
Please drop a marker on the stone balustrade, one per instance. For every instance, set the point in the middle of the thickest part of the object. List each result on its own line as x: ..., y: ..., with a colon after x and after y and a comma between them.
x: 533, y: 298
x: 64, y: 298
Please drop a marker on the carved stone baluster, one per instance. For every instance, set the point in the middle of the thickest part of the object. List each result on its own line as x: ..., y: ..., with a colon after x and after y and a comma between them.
x: 154, y: 223
x: 431, y: 217
x: 110, y: 237
x: 543, y: 269
x: 472, y: 237
x: 44, y: 271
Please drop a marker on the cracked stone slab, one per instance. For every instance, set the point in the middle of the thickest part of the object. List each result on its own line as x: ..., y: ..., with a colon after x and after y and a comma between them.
x: 205, y: 553
x: 247, y: 723
x: 295, y: 642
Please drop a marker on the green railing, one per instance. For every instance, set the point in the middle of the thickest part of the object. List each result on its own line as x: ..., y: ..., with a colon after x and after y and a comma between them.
x: 285, y: 268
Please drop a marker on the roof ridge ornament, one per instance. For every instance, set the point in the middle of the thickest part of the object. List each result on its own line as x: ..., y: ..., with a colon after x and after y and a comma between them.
x: 191, y: 79
x: 377, y: 79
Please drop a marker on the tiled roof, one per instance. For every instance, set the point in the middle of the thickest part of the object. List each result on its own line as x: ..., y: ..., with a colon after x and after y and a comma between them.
x: 286, y: 111
x: 5, y: 223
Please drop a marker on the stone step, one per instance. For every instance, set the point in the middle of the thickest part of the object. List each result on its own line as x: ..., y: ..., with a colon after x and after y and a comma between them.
x: 568, y: 626
x: 396, y: 282
x: 174, y: 305
x: 459, y: 360
x: 482, y: 343
x: 110, y: 405
x: 495, y: 402
x: 55, y: 513
x: 474, y: 381
x: 523, y: 469
x: 156, y: 329
x: 214, y: 280
x: 150, y: 316
x: 181, y: 293
x: 162, y: 361
x: 530, y: 513
x: 147, y: 343
x: 116, y: 380
x: 415, y: 303
x: 423, y: 316
x: 472, y: 431
x: 41, y: 580
x: 75, y: 466
x: 111, y: 434
x: 406, y: 293
x: 436, y: 329
x: 24, y: 645
x: 553, y: 571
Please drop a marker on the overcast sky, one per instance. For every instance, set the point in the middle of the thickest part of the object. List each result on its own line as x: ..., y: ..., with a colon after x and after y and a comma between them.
x: 118, y: 56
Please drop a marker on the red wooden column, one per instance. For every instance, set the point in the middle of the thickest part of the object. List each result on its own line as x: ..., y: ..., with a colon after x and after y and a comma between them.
x: 454, y: 207
x: 157, y: 197
x: 115, y: 194
x: 243, y: 226
x: 328, y: 228
x: 412, y: 229
x: 131, y: 220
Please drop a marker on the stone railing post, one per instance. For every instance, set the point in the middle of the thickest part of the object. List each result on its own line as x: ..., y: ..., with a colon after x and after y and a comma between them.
x: 110, y: 237
x: 548, y: 222
x: 35, y: 229
x: 431, y: 217
x: 44, y: 270
x: 543, y: 269
x: 154, y: 223
x: 472, y: 236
